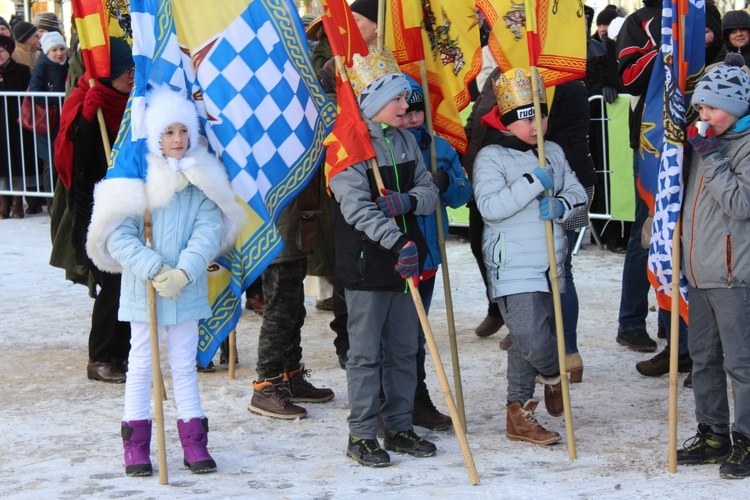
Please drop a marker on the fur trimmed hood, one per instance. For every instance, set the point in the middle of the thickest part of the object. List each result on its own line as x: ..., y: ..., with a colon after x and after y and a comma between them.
x: 166, y: 106
x: 119, y: 198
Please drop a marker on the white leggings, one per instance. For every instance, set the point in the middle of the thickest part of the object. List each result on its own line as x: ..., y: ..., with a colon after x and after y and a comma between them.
x: 182, y: 347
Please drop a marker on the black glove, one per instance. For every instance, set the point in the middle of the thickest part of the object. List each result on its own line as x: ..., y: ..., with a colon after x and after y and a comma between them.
x: 327, y: 76
x: 441, y: 180
x: 609, y: 94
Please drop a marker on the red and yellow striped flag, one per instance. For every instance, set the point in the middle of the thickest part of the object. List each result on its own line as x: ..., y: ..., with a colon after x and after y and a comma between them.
x: 553, y: 37
x: 93, y: 35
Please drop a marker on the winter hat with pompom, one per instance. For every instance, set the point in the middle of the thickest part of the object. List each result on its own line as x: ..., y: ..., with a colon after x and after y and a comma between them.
x: 726, y: 87
x: 166, y: 106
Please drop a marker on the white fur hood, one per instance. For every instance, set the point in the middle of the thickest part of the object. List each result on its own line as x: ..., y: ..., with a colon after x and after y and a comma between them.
x: 118, y: 198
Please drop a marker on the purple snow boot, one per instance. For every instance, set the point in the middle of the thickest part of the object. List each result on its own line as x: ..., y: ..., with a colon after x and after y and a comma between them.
x: 194, y: 439
x: 136, y: 441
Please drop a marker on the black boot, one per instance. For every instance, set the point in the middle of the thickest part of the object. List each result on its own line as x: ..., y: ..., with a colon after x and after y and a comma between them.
x: 737, y: 465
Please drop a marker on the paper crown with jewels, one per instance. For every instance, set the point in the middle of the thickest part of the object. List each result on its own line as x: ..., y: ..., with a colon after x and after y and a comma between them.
x: 366, y: 70
x: 515, y: 96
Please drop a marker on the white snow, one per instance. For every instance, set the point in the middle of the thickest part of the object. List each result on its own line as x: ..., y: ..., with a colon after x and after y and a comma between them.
x: 61, y: 432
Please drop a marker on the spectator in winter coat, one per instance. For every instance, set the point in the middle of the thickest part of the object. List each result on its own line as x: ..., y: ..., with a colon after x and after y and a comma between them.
x: 735, y: 26
x: 27, y: 44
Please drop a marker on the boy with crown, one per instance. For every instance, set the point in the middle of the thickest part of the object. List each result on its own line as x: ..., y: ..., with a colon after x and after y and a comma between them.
x: 378, y: 247
x: 515, y: 197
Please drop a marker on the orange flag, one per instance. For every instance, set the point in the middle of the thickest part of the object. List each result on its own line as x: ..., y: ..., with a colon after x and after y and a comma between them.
x: 452, y: 55
x: 553, y: 38
x: 349, y: 141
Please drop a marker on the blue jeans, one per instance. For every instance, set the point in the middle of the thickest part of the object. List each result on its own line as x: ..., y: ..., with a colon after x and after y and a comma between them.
x: 569, y: 299
x: 635, y: 285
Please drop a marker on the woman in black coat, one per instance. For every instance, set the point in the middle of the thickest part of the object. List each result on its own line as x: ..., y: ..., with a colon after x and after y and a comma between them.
x: 16, y: 144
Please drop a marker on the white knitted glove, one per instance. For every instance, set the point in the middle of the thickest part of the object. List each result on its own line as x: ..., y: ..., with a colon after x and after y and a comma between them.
x: 171, y: 283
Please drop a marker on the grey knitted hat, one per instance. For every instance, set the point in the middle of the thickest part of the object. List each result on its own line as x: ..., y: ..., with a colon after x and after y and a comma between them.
x: 726, y: 87
x: 376, y: 95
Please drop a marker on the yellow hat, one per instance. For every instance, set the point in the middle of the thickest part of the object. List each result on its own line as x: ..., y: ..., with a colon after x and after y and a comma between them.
x: 515, y: 98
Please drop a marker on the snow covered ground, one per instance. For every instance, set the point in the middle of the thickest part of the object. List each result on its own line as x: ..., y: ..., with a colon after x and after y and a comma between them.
x: 61, y: 432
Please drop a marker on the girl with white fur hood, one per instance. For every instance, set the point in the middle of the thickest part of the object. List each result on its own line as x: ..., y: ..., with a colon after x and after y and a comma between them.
x: 195, y: 218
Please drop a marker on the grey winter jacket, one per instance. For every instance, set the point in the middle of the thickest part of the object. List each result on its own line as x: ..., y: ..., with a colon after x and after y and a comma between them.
x: 514, y: 242
x: 716, y: 216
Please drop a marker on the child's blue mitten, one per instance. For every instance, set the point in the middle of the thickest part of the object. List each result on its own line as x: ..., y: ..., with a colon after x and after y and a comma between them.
x: 546, y: 176
x: 393, y: 203
x: 408, y: 261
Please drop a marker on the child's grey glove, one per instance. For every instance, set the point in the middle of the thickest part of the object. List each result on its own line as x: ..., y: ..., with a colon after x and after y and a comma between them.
x: 546, y: 176
x: 393, y: 203
x: 550, y: 208
x: 171, y: 283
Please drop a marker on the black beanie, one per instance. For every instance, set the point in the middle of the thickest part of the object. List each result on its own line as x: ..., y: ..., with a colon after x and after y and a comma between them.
x: 607, y: 15
x: 8, y: 44
x: 120, y: 58
x: 367, y: 8
x: 5, y: 23
x: 22, y: 31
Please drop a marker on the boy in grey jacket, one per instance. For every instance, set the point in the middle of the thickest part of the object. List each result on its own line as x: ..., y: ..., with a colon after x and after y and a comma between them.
x: 515, y: 196
x: 716, y: 249
x: 379, y: 246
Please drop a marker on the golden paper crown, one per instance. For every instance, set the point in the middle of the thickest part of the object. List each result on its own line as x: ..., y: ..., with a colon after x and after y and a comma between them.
x: 513, y: 90
x: 366, y: 70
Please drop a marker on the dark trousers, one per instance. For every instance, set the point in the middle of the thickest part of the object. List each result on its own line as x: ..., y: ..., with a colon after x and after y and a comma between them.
x: 109, y: 338
x: 340, y: 318
x: 280, y: 343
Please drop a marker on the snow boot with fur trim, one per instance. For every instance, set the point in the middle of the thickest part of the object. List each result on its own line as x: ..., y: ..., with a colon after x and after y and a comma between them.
x: 136, y: 442
x: 194, y: 440
x: 521, y: 425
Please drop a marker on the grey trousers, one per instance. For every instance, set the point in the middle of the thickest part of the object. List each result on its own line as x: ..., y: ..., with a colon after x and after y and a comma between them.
x: 383, y: 330
x: 530, y: 320
x: 719, y: 343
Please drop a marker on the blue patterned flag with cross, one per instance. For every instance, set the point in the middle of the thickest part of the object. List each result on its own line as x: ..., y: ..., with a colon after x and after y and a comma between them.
x: 248, y: 68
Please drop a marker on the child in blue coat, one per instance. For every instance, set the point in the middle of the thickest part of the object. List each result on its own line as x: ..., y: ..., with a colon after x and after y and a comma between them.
x: 195, y: 218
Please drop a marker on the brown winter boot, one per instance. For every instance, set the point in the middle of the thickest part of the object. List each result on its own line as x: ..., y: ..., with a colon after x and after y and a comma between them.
x: 300, y: 390
x: 269, y: 400
x: 521, y: 425
x: 17, y: 208
x: 426, y: 415
x: 4, y: 207
x: 553, y: 400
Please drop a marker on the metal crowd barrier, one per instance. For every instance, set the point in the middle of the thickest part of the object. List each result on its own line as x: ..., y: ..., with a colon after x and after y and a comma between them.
x: 37, y: 177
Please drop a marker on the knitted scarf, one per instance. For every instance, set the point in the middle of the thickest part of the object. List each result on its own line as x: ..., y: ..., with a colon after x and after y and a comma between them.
x: 113, y: 109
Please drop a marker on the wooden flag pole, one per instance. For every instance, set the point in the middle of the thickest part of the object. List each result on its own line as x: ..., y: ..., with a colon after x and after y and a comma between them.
x: 444, y: 259
x: 102, y: 126
x: 232, y: 353
x: 674, y: 341
x: 554, y: 278
x: 158, y: 382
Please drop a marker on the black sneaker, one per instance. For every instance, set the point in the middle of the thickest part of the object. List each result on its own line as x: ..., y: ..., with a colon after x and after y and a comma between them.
x: 636, y: 339
x: 706, y: 447
x: 367, y: 452
x: 408, y: 442
x: 659, y: 364
x: 737, y: 466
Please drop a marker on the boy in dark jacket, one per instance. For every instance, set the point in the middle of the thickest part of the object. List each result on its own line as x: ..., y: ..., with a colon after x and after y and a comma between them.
x: 378, y: 246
